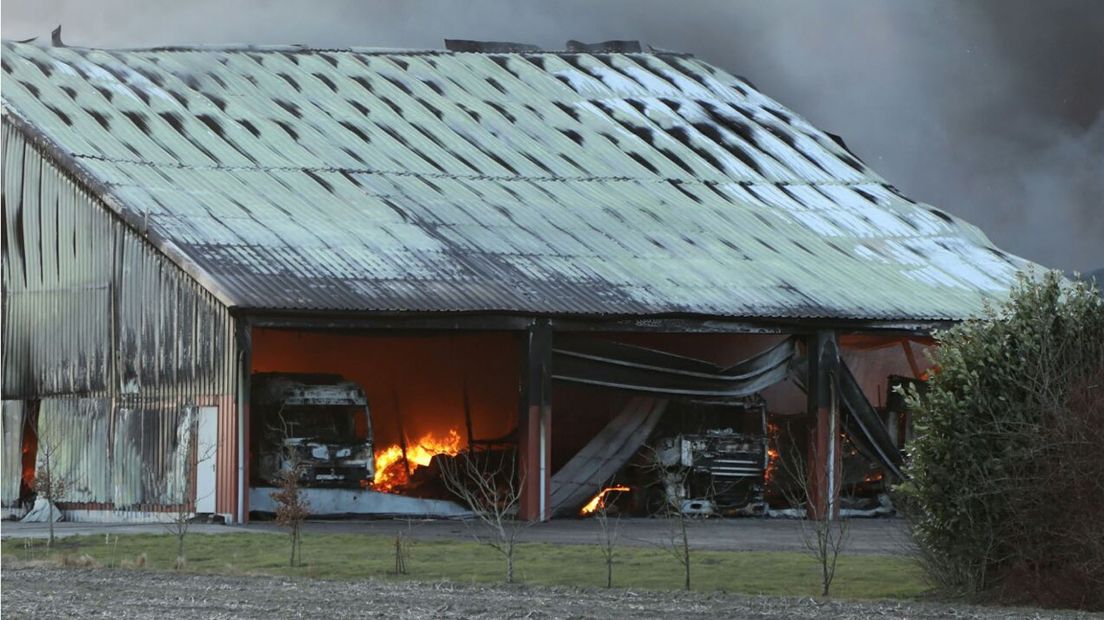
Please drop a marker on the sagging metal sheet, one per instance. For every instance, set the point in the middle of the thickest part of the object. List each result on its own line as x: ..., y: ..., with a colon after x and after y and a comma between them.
x: 863, y: 426
x: 626, y: 367
x: 583, y: 476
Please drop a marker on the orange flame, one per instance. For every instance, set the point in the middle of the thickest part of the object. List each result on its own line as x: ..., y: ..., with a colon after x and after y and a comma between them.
x: 772, y: 452
x: 599, y: 501
x: 391, y: 471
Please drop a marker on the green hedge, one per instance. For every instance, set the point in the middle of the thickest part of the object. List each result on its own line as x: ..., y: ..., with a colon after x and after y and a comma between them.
x: 1006, y: 472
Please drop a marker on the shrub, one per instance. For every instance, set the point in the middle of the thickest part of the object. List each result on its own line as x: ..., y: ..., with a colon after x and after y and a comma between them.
x: 1007, y: 468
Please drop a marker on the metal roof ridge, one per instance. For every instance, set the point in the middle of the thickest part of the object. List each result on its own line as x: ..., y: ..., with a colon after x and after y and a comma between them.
x: 295, y: 48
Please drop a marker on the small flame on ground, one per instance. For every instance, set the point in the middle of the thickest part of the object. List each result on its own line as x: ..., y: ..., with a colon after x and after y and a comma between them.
x: 599, y: 501
x: 391, y: 471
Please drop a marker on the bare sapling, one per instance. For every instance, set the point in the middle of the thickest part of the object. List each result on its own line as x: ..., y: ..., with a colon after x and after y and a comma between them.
x: 823, y: 535
x: 666, y: 462
x: 489, y: 484
x: 608, y: 536
x: 49, y: 483
x: 402, y: 550
x: 176, y: 487
x: 292, y: 507
x: 112, y: 542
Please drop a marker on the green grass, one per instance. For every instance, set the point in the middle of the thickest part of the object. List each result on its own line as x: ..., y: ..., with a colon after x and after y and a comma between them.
x: 352, y: 556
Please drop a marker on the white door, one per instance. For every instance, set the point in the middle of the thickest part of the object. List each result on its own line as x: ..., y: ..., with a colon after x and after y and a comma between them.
x: 206, y: 453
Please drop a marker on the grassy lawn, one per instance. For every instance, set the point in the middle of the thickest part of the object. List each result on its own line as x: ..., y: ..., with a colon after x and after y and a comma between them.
x: 350, y: 556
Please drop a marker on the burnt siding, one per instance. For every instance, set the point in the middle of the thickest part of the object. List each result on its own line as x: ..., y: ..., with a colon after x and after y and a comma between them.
x: 89, y: 306
x: 117, y: 341
x: 12, y: 462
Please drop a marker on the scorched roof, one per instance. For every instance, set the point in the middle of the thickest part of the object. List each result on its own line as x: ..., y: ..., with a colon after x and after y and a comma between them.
x: 634, y: 184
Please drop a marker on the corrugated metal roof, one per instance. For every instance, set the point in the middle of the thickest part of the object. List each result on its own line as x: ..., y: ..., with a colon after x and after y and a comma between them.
x: 563, y: 183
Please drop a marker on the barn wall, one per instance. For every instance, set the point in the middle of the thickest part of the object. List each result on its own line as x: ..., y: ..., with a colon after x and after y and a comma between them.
x: 11, y: 464
x: 117, y: 342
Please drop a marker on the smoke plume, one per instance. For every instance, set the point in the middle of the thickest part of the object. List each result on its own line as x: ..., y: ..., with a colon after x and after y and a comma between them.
x: 992, y: 110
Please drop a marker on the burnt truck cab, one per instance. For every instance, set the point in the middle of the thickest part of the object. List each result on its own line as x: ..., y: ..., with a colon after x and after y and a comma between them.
x: 322, y: 419
x: 713, y: 457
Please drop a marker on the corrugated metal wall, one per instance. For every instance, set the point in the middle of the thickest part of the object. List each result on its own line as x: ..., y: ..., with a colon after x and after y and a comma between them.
x: 122, y: 457
x: 118, y: 343
x: 12, y: 462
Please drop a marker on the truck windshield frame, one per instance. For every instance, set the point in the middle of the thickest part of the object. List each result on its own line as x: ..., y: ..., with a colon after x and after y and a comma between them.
x: 330, y: 424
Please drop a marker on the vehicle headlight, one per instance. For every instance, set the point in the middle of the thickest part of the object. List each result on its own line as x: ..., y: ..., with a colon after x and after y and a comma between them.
x: 320, y: 452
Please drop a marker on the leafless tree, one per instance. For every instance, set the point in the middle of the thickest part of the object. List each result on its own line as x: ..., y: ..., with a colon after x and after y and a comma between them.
x: 609, y: 534
x: 174, y: 486
x: 824, y: 536
x: 666, y: 463
x: 49, y: 484
x: 402, y: 550
x: 292, y: 508
x: 489, y: 483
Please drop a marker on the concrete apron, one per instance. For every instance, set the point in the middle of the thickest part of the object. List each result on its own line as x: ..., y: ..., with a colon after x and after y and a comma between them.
x: 336, y: 502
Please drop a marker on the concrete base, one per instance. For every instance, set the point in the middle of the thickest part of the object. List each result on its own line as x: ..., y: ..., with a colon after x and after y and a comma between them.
x: 325, y: 502
x: 118, y: 516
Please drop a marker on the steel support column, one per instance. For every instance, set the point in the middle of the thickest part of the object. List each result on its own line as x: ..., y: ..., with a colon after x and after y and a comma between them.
x: 535, y: 423
x: 244, y: 338
x: 824, y: 462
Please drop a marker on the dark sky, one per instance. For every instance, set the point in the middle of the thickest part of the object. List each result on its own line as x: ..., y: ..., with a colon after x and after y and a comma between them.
x: 990, y: 109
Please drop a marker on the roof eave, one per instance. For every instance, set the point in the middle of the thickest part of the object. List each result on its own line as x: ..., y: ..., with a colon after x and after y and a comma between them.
x: 511, y: 320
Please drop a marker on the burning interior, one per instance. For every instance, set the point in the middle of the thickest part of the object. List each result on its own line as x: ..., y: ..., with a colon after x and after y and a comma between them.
x: 640, y: 419
x: 424, y: 396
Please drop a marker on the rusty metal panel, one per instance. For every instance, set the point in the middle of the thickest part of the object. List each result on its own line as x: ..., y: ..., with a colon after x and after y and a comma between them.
x: 635, y: 184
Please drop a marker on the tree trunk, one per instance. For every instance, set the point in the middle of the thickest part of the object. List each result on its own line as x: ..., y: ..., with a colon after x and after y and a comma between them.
x: 685, y: 550
x: 291, y: 560
x: 510, y: 565
x: 179, y: 547
x: 825, y: 582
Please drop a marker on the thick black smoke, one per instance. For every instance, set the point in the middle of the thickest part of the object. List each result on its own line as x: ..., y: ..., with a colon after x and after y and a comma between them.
x: 993, y: 110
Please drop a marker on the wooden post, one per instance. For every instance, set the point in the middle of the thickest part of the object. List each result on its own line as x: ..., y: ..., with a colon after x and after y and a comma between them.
x: 468, y: 415
x: 535, y: 423
x: 824, y: 463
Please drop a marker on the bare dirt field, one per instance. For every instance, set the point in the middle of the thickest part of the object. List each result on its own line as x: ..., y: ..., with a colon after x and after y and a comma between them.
x: 51, y: 592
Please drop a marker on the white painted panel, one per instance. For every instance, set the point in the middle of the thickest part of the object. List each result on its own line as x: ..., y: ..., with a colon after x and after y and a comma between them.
x: 206, y: 451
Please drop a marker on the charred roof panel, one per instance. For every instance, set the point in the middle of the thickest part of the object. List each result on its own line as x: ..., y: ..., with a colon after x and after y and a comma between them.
x: 522, y: 181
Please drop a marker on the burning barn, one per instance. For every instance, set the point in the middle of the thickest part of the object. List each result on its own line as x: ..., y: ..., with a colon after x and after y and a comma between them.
x: 381, y: 258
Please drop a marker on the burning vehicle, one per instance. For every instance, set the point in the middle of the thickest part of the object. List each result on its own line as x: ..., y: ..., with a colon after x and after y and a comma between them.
x: 709, y: 458
x: 323, y: 418
x: 703, y: 457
